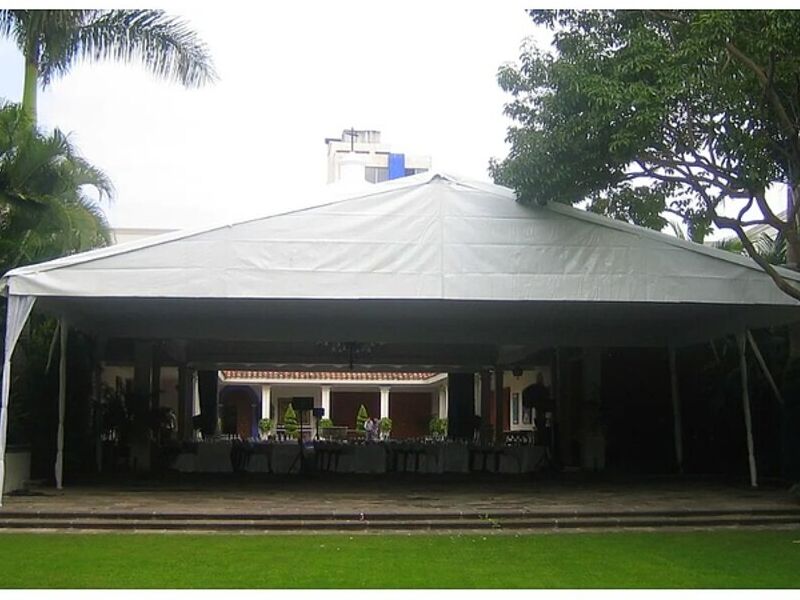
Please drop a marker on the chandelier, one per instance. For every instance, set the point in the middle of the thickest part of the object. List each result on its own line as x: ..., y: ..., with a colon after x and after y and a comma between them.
x: 351, y: 350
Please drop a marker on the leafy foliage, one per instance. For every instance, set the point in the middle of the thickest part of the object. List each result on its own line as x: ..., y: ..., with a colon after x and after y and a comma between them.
x: 438, y: 426
x: 290, y: 421
x: 640, y: 112
x: 52, y: 41
x: 265, y: 425
x: 57, y: 39
x: 361, y: 418
x: 45, y: 211
x: 385, y: 425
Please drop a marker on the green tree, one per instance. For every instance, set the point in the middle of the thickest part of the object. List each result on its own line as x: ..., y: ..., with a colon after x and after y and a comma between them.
x: 641, y: 112
x: 290, y: 421
x: 361, y: 418
x: 52, y: 41
x: 45, y: 208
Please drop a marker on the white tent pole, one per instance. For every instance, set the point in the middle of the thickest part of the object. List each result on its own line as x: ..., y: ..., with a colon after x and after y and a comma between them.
x: 19, y: 307
x: 676, y: 408
x: 762, y: 363
x: 62, y: 395
x: 748, y: 424
x: 52, y: 347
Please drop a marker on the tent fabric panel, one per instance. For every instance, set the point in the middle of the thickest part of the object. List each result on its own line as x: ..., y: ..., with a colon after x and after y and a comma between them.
x: 436, y: 239
x: 18, y: 311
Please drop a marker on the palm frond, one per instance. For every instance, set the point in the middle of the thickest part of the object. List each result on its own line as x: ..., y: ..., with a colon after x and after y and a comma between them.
x: 732, y: 244
x: 45, y: 211
x: 165, y: 45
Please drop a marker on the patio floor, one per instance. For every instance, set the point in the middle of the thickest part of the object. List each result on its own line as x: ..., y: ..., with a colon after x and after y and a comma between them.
x: 414, y: 496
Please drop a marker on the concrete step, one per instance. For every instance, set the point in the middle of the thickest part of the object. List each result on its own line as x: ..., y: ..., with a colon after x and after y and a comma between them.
x: 398, y: 523
x: 393, y: 516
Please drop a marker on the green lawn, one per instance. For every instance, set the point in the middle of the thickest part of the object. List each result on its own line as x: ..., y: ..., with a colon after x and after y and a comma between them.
x: 737, y: 559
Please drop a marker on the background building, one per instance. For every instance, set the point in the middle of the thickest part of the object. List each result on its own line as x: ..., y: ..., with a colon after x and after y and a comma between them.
x: 381, y: 163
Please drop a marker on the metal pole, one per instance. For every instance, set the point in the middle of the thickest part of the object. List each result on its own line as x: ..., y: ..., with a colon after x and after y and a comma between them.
x: 62, y: 395
x: 762, y: 363
x: 498, y: 405
x: 676, y: 409
x: 748, y: 424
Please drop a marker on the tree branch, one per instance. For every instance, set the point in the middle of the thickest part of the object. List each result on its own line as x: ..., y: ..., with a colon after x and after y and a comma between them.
x: 769, y: 269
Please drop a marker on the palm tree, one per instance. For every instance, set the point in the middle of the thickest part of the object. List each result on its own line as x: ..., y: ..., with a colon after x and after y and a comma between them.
x: 52, y: 41
x: 45, y: 210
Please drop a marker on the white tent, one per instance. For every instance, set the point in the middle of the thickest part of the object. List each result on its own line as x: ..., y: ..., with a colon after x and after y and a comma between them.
x: 439, y: 271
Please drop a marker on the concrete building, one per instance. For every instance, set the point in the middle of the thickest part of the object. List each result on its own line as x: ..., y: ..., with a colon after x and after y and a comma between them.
x: 380, y: 161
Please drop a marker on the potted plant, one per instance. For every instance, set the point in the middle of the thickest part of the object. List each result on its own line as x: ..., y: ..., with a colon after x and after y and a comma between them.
x: 438, y: 428
x: 385, y: 427
x: 265, y: 427
x: 290, y: 422
x: 324, y: 426
x: 361, y: 418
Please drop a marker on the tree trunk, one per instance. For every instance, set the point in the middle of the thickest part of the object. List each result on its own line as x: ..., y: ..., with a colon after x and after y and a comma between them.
x: 30, y: 89
x: 792, y: 237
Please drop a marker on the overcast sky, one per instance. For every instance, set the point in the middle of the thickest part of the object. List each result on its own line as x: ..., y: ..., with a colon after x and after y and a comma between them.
x: 253, y: 143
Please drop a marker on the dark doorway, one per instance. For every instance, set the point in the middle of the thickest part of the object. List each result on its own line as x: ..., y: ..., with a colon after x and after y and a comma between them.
x: 410, y: 413
x: 344, y: 407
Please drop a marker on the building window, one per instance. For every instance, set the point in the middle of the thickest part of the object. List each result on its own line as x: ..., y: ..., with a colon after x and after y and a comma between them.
x: 376, y: 174
x: 414, y: 171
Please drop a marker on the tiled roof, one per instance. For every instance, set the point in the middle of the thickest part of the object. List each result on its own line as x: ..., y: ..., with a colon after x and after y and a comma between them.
x: 329, y: 375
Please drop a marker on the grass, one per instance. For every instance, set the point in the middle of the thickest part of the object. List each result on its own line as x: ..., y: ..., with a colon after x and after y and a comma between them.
x: 717, y: 559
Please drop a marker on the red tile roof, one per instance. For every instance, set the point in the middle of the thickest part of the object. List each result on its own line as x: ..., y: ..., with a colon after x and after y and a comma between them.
x: 329, y: 375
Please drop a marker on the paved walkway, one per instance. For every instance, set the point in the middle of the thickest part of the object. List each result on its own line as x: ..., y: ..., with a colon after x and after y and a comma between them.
x: 298, y: 496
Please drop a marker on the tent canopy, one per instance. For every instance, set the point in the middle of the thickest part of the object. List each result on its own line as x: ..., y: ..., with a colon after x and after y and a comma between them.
x: 434, y: 269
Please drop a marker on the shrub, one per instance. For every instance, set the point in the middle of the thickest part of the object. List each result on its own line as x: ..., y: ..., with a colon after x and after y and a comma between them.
x: 438, y: 427
x: 385, y: 425
x: 325, y: 422
x: 361, y: 418
x: 290, y: 421
x: 265, y: 425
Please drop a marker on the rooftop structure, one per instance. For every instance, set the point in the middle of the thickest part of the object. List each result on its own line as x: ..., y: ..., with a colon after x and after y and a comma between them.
x: 378, y: 160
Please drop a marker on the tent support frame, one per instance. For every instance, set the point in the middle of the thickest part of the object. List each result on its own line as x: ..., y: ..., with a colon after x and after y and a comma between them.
x: 764, y: 369
x: 62, y: 397
x: 676, y: 408
x: 748, y: 422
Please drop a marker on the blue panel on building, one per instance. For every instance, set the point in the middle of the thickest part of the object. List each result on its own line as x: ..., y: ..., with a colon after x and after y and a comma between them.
x: 397, y: 165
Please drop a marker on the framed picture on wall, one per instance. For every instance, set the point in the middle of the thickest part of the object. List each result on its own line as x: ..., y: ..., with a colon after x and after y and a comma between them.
x: 515, y: 408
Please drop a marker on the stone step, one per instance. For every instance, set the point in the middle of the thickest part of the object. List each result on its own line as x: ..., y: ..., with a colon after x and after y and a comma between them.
x: 94, y: 522
x: 410, y: 516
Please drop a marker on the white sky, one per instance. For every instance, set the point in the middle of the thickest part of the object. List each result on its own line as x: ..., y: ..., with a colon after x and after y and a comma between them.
x: 290, y: 75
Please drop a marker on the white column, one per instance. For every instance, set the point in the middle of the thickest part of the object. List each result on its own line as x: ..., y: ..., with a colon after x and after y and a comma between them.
x: 384, y: 402
x: 443, y: 402
x: 266, y: 400
x: 195, y: 394
x: 326, y: 400
x: 62, y: 395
